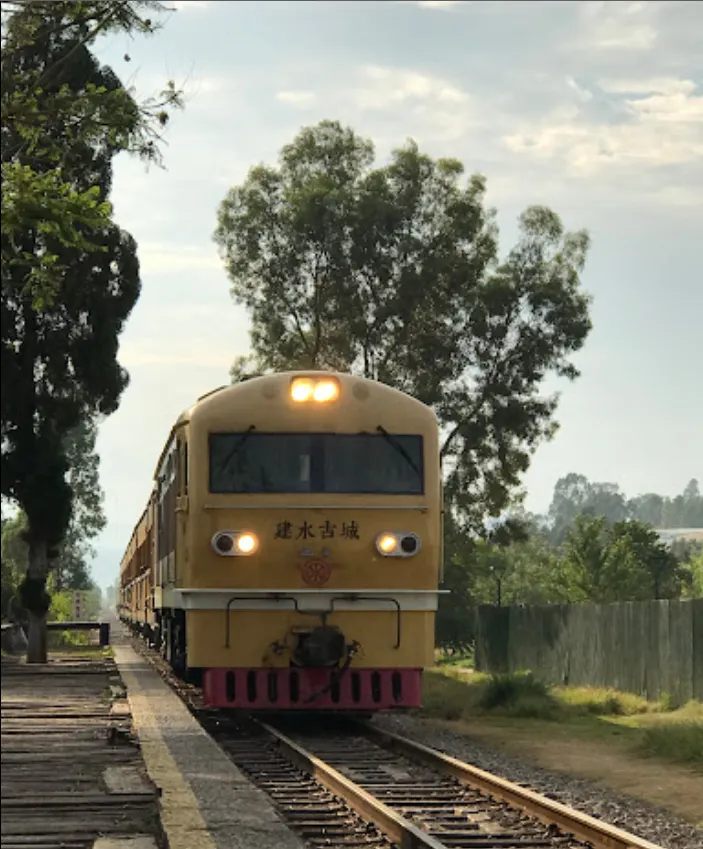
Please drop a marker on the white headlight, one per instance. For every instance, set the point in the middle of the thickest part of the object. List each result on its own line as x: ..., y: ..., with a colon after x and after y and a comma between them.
x: 234, y: 543
x: 322, y: 390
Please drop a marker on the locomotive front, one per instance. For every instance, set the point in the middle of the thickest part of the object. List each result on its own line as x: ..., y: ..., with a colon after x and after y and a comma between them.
x: 310, y: 544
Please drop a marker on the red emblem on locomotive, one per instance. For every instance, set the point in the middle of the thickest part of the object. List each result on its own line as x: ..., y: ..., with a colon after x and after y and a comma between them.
x: 315, y: 572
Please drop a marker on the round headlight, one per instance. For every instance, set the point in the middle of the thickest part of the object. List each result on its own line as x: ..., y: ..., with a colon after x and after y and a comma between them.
x: 247, y: 543
x: 326, y: 390
x: 302, y: 390
x: 386, y: 543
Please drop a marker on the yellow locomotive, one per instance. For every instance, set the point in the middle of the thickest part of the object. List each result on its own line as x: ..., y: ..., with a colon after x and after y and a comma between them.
x: 289, y: 554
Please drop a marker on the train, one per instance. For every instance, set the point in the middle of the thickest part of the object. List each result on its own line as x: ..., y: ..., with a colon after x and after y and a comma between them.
x: 289, y: 554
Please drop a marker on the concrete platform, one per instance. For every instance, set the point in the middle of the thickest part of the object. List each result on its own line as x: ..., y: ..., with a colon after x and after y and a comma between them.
x: 206, y: 801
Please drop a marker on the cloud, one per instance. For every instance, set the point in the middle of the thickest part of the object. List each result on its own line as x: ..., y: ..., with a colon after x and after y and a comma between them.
x: 200, y: 353
x: 382, y: 87
x: 191, y: 5
x: 296, y: 98
x: 661, y: 85
x: 441, y: 4
x: 157, y: 258
x: 659, y: 125
x: 435, y: 4
x: 618, y: 26
x: 583, y: 94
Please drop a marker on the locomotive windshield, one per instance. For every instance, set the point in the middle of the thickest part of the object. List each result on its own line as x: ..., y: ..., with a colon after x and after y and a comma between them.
x: 363, y: 463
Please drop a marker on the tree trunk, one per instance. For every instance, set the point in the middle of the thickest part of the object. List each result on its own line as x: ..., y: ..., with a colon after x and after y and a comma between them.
x: 36, y: 639
x: 38, y: 564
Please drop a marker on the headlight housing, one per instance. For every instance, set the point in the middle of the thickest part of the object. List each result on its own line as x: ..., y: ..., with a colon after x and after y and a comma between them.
x: 397, y: 544
x: 321, y: 390
x: 234, y: 543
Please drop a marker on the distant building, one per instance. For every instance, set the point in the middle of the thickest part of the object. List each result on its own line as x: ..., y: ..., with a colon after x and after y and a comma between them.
x: 670, y: 535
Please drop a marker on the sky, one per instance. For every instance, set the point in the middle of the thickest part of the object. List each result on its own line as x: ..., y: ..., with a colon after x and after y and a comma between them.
x: 592, y: 108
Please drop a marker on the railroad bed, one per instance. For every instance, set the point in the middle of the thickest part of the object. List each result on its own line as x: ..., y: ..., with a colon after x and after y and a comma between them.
x: 353, y: 785
x: 347, y: 784
x: 72, y: 773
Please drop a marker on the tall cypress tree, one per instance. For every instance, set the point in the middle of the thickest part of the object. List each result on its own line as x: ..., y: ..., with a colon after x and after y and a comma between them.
x: 68, y: 284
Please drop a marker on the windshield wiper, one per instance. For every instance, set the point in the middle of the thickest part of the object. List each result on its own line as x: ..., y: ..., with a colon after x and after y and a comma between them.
x: 399, y: 448
x: 236, y: 447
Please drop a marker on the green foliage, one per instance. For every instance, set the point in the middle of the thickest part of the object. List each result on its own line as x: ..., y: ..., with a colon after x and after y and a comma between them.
x: 70, y: 276
x: 71, y: 570
x: 58, y: 106
x: 55, y: 210
x: 455, y: 622
x: 681, y: 742
x: 603, y: 701
x: 622, y: 562
x: 394, y: 273
x: 507, y: 690
x: 695, y: 570
x: 506, y: 568
x: 14, y: 562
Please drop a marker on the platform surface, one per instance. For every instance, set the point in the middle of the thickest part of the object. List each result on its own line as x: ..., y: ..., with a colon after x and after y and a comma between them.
x: 206, y: 801
x: 72, y: 774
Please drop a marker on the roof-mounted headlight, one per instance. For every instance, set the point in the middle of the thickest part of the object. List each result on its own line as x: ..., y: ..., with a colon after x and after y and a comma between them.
x: 321, y: 390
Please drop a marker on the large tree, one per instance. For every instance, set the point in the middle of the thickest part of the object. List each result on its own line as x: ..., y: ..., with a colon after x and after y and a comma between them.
x: 394, y: 272
x: 70, y: 275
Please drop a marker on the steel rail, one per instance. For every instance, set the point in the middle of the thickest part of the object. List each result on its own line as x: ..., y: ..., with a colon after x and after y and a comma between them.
x: 400, y: 830
x: 583, y: 827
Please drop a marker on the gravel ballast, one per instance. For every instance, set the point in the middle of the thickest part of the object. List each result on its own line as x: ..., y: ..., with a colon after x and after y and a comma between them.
x: 634, y: 815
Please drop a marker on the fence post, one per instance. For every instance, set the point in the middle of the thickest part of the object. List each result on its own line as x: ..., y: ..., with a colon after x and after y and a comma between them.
x: 104, y: 634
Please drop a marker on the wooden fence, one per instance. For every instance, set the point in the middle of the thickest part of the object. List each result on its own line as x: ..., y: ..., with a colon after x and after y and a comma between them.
x: 648, y: 647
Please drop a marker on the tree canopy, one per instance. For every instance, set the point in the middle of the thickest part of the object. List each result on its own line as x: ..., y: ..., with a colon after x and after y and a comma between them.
x: 394, y: 272
x: 62, y: 114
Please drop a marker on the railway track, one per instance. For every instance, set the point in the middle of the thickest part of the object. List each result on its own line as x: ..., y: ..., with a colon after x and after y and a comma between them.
x: 340, y: 783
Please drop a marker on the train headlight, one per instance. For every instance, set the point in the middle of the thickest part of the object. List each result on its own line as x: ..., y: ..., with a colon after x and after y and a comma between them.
x: 302, y: 390
x: 234, y: 543
x: 397, y: 544
x: 387, y: 543
x: 322, y: 390
x: 247, y: 543
x: 326, y: 390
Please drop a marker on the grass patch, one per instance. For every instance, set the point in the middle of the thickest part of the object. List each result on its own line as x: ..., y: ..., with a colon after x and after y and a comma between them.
x: 449, y: 695
x: 680, y: 741
x: 584, y: 713
x: 599, y: 701
x: 520, y: 695
x: 444, y: 660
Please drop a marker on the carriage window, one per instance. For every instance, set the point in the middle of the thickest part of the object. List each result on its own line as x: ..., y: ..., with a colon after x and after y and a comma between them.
x: 335, y: 463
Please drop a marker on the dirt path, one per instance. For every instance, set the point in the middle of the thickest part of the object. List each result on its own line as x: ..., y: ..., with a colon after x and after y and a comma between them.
x: 611, y: 764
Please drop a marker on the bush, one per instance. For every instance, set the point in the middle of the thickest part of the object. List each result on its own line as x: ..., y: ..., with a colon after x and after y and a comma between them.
x: 505, y: 691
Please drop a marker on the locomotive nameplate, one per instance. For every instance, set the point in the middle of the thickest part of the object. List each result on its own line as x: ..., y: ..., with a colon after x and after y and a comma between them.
x: 315, y: 572
x: 306, y: 530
